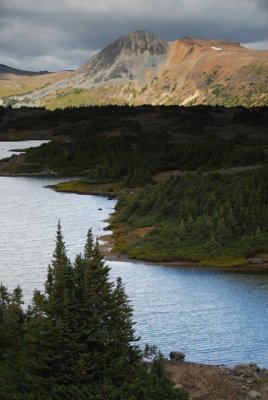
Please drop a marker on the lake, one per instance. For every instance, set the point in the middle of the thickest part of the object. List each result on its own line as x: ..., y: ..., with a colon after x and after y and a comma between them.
x: 213, y: 317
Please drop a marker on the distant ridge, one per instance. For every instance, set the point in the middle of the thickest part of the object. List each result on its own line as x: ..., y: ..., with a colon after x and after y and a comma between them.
x: 141, y: 68
x: 9, y: 70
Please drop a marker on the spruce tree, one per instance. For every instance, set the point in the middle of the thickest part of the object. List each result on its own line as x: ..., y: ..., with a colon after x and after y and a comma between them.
x: 89, y: 245
x: 95, y: 301
x: 79, y: 338
x: 59, y: 280
x: 123, y: 352
x: 47, y: 337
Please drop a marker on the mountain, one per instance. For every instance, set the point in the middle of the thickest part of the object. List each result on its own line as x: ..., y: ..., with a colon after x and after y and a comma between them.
x: 128, y: 58
x: 141, y: 68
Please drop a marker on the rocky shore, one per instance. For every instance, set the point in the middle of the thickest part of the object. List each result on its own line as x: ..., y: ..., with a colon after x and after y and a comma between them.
x: 210, y: 382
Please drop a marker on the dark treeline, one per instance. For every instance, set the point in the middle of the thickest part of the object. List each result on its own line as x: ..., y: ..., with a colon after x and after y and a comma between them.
x: 110, y: 142
x: 76, y: 340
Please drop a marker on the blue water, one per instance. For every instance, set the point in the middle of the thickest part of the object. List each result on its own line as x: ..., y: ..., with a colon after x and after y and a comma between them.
x: 213, y: 317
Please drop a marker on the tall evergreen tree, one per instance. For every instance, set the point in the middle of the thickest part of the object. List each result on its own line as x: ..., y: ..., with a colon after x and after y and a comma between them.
x: 123, y: 352
x: 76, y: 341
x: 47, y: 338
x: 59, y: 280
x: 95, y: 302
x: 89, y: 245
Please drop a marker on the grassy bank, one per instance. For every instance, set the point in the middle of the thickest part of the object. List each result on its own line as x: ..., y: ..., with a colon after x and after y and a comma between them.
x: 106, y: 188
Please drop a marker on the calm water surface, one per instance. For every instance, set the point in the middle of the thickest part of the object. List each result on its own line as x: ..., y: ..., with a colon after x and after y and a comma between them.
x: 29, y: 213
x: 212, y: 317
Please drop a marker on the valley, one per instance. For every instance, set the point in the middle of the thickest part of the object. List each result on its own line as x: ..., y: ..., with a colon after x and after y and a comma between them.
x: 134, y: 200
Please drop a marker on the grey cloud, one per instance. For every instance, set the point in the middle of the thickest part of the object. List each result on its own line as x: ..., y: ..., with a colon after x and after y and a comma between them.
x: 257, y: 45
x: 65, y: 33
x: 262, y: 4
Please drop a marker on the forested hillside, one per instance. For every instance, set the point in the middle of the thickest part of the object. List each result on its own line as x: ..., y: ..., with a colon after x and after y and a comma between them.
x: 194, y: 179
x: 111, y: 142
x: 199, y: 216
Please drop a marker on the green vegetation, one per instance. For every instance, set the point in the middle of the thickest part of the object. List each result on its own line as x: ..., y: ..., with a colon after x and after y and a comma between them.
x: 213, y: 209
x: 248, y: 86
x: 210, y: 78
x: 252, y: 92
x: 88, y: 186
x: 76, y: 340
x: 117, y: 142
x: 70, y: 97
x: 218, y: 219
x: 217, y: 90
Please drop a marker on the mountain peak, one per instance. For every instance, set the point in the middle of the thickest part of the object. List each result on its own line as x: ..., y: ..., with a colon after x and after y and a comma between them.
x: 129, y: 57
x: 138, y: 42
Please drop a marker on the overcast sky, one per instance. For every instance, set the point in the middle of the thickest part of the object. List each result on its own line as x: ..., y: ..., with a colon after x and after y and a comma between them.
x: 62, y: 34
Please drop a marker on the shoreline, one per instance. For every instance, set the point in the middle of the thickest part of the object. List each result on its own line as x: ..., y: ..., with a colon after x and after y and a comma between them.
x: 107, y: 247
x: 107, y: 244
x: 109, y: 254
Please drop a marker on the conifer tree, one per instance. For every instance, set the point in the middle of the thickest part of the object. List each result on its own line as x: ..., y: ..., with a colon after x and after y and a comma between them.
x: 94, y: 311
x: 123, y: 352
x: 47, y: 337
x: 79, y: 340
x: 88, y: 249
x: 59, y: 279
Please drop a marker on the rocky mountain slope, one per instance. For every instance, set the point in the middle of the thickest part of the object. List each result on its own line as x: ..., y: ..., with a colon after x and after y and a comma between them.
x: 142, y: 68
x: 128, y: 58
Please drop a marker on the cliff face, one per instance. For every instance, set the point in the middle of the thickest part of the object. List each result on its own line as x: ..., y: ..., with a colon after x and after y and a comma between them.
x: 142, y: 68
x: 131, y: 57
